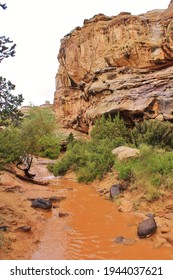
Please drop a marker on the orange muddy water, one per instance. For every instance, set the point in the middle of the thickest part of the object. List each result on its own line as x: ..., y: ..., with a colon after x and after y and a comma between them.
x: 88, y: 232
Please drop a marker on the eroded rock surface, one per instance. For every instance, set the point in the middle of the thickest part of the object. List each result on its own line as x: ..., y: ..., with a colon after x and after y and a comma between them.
x: 122, y: 63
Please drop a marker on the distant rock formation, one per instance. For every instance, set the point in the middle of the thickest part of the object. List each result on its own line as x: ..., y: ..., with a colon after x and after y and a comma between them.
x: 116, y: 64
x: 25, y: 109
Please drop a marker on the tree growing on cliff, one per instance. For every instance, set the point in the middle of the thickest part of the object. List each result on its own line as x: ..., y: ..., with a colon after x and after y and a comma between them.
x: 9, y: 103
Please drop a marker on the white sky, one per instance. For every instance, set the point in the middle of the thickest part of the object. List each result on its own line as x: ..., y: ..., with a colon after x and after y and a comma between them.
x: 37, y: 26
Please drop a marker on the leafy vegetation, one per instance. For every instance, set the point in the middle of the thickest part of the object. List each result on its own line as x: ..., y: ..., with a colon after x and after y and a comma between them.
x: 9, y: 103
x: 93, y: 158
x: 152, y: 171
x: 36, y: 135
x: 154, y: 133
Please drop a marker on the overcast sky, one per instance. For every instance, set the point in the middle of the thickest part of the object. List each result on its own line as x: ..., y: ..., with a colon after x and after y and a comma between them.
x: 37, y: 26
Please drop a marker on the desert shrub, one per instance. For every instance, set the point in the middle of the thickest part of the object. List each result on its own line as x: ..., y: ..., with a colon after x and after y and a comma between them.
x: 152, y: 171
x: 153, y: 132
x: 152, y: 193
x: 125, y: 169
x: 49, y: 146
x: 89, y: 159
x: 110, y: 128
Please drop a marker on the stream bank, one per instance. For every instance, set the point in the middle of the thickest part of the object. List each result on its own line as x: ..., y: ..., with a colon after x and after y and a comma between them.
x: 87, y: 231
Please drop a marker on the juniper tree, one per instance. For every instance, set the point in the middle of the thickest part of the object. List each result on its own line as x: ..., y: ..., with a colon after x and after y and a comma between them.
x: 9, y: 103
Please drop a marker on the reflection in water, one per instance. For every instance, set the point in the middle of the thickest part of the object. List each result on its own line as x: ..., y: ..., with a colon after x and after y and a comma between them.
x: 89, y: 230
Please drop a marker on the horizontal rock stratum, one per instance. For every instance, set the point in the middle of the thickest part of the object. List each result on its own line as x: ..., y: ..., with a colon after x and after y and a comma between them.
x: 122, y: 64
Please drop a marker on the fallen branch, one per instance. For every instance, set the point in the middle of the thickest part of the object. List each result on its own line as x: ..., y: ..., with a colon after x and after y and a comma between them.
x: 30, y: 180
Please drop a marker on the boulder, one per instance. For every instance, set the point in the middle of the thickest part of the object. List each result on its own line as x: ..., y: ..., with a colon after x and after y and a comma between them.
x: 115, y: 190
x: 124, y: 152
x: 146, y: 227
x: 41, y: 203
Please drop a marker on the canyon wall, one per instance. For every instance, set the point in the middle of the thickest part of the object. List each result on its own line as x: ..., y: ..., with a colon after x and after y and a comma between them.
x: 122, y: 64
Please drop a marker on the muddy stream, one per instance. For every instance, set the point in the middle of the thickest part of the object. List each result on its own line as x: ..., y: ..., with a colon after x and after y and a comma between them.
x: 89, y: 229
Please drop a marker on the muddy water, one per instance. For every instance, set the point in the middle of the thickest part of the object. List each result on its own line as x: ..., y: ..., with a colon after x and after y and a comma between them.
x: 88, y: 232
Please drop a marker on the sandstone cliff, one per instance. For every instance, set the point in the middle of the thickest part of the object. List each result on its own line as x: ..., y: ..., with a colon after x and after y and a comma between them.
x: 116, y: 64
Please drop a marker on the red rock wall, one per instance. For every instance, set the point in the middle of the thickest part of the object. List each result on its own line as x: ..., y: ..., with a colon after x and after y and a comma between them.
x: 116, y: 64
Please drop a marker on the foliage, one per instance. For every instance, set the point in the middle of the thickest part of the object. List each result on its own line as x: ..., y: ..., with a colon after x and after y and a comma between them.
x: 125, y: 169
x: 88, y: 159
x: 7, y: 48
x: 153, y: 171
x: 10, y: 145
x: 38, y: 123
x: 9, y: 103
x: 3, y: 6
x: 36, y: 135
x: 38, y: 126
x: 154, y: 133
x: 70, y: 138
x: 49, y: 146
x: 110, y: 128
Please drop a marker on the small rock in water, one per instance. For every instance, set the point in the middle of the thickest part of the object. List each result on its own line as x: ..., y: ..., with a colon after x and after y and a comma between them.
x: 41, y: 203
x: 24, y: 228
x: 125, y: 241
x: 119, y: 239
x: 61, y: 214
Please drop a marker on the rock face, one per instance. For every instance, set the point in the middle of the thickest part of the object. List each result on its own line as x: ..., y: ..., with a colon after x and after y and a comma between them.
x: 116, y: 64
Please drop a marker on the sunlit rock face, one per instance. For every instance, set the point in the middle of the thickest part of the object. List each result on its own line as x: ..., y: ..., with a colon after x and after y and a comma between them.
x: 116, y: 64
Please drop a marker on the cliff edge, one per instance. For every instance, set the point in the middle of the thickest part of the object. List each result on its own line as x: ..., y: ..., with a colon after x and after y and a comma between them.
x: 122, y: 64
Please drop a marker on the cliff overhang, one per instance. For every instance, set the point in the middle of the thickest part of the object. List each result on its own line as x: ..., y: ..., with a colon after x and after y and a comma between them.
x: 116, y: 64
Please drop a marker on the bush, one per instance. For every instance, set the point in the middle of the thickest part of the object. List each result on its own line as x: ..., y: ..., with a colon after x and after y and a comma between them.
x: 10, y: 145
x: 49, y: 146
x: 154, y: 133
x: 125, y: 170
x: 88, y: 159
x: 152, y: 171
x: 110, y: 128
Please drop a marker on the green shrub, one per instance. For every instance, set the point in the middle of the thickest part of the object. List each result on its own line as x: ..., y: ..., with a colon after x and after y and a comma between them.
x: 49, y: 146
x: 125, y: 170
x: 152, y: 171
x: 88, y: 159
x: 10, y: 145
x: 110, y: 128
x: 152, y: 193
x: 154, y: 133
